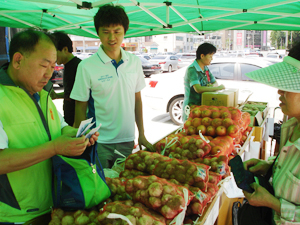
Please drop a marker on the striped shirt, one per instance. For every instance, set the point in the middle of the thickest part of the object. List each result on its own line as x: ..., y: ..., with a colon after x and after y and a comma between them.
x: 286, y: 177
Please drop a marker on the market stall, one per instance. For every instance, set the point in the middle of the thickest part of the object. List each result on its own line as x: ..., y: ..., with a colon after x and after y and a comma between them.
x: 183, y: 180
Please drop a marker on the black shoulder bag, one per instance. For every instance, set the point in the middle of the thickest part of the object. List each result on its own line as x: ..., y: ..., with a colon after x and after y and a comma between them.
x: 252, y: 215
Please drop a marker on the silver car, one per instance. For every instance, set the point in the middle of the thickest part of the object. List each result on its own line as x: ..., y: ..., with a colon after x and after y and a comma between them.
x: 167, y: 62
x: 185, y: 59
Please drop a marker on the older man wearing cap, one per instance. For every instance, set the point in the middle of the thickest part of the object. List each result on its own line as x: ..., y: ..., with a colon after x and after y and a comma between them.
x: 286, y: 169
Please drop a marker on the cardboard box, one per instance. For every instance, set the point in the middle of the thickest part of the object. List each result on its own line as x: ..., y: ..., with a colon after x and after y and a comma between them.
x: 219, y: 98
x: 259, y: 131
x: 236, y: 95
x: 261, y: 106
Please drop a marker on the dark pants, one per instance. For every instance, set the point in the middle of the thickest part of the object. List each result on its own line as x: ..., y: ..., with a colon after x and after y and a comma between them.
x: 41, y: 220
x: 108, y: 157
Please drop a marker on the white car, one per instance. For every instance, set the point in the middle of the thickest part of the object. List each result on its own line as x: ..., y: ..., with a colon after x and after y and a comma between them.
x: 84, y: 55
x: 185, y: 59
x: 167, y: 62
x: 165, y: 92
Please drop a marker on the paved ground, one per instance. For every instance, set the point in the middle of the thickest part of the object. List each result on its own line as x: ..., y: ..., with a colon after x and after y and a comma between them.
x: 156, y: 124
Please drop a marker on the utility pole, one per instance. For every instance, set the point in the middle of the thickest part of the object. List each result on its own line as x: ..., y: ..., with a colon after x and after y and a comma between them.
x: 286, y: 39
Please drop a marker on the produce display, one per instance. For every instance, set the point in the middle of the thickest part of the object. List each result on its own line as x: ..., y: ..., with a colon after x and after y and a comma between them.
x: 157, y: 194
x: 254, y: 107
x: 136, y: 215
x: 79, y: 217
x: 175, y: 184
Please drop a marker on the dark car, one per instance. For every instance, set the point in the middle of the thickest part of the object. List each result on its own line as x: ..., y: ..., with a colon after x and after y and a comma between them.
x: 149, y: 68
x: 57, y: 76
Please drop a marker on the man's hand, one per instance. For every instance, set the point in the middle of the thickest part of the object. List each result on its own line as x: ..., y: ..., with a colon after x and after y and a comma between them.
x: 143, y: 141
x: 69, y: 145
x: 257, y: 166
x: 93, y: 139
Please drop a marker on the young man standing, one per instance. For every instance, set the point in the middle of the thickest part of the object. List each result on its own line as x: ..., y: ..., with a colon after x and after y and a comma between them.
x: 198, y: 78
x: 65, y: 56
x: 114, y: 78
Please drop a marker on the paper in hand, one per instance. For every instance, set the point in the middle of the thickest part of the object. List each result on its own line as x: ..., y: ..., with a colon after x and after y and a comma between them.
x: 83, y: 126
x: 94, y: 130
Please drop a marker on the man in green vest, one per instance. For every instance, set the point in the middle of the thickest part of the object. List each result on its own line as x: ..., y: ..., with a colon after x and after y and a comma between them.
x: 31, y: 129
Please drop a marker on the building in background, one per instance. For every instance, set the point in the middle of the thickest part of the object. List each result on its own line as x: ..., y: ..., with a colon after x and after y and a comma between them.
x: 229, y: 40
x: 6, y: 34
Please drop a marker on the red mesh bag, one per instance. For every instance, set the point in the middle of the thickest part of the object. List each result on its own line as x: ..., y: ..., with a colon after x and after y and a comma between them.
x: 169, y: 143
x: 58, y: 216
x: 143, y: 161
x: 221, y: 146
x: 214, y: 178
x: 135, y: 215
x: 157, y: 194
x: 117, y: 187
x: 132, y: 173
x: 184, y: 171
x: 192, y: 147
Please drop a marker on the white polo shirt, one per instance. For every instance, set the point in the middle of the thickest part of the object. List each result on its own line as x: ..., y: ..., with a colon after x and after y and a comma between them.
x: 113, y: 91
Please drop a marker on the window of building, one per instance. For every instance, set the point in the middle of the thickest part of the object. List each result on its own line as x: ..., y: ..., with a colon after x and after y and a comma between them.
x: 165, y: 38
x: 178, y: 38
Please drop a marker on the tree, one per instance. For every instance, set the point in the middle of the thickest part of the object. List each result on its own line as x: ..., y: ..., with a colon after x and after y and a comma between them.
x: 278, y: 38
x: 293, y: 38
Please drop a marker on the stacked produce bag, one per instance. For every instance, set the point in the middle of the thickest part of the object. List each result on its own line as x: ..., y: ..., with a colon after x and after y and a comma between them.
x: 175, y: 184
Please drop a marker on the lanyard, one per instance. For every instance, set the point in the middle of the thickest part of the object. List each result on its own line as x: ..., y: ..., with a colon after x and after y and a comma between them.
x: 207, y: 75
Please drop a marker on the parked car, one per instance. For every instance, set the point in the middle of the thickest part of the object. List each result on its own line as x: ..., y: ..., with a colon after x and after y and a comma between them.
x: 57, y: 75
x: 220, y: 54
x: 147, y: 57
x: 236, y: 54
x: 254, y: 54
x: 149, y: 68
x: 84, y: 55
x: 166, y: 93
x: 274, y: 56
x: 185, y: 59
x: 168, y: 62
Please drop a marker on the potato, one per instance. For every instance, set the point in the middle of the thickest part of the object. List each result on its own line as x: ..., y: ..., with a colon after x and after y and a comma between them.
x: 132, y: 219
x: 155, y: 189
x: 129, y: 186
x: 167, y: 212
x: 139, y: 183
x: 134, y: 211
x: 145, y: 220
x: 102, y: 216
x: 170, y: 169
x: 55, y: 221
x: 129, y: 164
x: 155, y: 202
x: 82, y: 219
x: 169, y: 189
x: 141, y: 166
x: 148, y: 160
x: 68, y: 220
x: 165, y: 198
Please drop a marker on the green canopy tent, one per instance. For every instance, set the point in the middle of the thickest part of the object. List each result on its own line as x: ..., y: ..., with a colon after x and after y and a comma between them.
x: 152, y: 17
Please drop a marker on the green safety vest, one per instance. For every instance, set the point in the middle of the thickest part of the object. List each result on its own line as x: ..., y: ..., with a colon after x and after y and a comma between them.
x: 26, y: 194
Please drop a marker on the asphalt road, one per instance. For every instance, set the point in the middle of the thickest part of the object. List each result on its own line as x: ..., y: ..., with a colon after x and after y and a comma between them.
x: 156, y: 124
